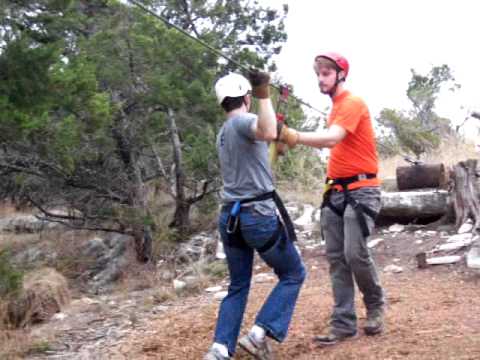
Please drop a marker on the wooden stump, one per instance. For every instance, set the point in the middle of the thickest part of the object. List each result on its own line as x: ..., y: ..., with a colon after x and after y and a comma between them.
x: 465, y: 193
x: 421, y: 176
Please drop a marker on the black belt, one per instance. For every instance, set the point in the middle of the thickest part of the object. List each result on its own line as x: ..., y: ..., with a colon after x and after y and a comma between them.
x: 359, y: 208
x: 233, y: 228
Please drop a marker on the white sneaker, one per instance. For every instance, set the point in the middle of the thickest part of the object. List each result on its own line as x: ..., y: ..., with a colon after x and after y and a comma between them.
x: 261, y: 350
x: 214, y: 354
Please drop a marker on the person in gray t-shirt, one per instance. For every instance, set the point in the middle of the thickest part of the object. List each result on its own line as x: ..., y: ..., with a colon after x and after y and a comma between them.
x: 243, y: 151
x: 244, y: 162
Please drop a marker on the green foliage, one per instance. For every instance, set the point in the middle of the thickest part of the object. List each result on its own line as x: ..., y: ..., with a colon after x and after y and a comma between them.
x: 217, y: 269
x: 10, y: 278
x: 39, y: 347
x: 419, y: 130
x: 302, y: 165
x: 85, y: 91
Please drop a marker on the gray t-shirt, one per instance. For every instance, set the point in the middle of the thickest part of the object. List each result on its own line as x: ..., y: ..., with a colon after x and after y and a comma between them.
x: 244, y: 163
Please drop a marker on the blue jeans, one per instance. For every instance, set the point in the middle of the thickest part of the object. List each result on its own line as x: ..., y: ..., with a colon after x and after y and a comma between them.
x: 277, y: 311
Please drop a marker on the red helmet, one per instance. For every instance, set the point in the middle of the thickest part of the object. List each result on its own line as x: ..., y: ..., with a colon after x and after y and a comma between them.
x: 338, y: 59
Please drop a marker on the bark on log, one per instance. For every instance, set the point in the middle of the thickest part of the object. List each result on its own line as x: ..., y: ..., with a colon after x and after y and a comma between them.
x: 465, y: 193
x: 409, y: 206
x: 421, y: 176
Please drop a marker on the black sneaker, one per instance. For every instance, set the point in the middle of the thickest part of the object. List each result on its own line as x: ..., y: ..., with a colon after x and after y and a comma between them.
x: 375, y: 324
x: 332, y: 338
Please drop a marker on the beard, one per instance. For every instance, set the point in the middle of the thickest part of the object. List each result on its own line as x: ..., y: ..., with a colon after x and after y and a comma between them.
x: 325, y: 89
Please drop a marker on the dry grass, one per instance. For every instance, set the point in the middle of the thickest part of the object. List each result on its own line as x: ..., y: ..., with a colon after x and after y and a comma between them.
x: 450, y: 152
x: 298, y: 193
x: 6, y: 208
x: 45, y: 292
x: 19, y: 343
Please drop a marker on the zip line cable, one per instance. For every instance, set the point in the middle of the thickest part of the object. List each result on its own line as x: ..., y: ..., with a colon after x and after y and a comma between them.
x: 212, y: 49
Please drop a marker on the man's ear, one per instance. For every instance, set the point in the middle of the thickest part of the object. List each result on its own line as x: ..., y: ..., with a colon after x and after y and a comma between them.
x: 247, y: 99
x: 341, y: 75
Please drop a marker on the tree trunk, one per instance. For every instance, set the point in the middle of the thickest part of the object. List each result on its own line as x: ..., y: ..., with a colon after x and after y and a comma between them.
x: 181, y: 218
x: 466, y: 200
x: 137, y: 195
x: 421, y: 176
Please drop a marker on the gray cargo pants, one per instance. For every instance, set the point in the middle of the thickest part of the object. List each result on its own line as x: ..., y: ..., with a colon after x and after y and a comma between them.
x: 349, y: 259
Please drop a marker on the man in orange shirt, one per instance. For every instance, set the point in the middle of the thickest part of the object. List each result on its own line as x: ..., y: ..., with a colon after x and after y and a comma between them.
x: 351, y: 201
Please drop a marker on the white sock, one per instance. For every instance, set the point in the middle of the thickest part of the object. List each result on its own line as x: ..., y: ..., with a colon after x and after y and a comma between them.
x: 222, y: 349
x: 258, y: 333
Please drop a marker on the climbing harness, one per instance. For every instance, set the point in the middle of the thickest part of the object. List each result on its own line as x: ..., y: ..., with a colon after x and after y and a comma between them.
x: 360, y: 210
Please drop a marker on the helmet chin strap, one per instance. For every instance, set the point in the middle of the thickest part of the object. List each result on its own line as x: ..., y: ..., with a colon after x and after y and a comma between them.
x: 333, y: 90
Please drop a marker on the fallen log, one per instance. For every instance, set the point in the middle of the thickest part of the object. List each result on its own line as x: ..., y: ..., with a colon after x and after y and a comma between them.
x: 412, y: 206
x: 421, y: 176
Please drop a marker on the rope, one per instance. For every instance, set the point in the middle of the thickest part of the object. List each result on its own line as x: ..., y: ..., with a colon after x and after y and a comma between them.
x: 212, y: 49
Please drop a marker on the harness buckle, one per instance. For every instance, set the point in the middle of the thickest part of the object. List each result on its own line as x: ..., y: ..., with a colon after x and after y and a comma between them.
x: 362, y: 177
x: 233, y: 218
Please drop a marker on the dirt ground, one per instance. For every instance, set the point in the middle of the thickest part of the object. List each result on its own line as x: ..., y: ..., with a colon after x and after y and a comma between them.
x: 432, y: 313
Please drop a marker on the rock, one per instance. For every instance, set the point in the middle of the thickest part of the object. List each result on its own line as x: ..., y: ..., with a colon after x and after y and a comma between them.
x: 85, y: 301
x: 59, y: 317
x: 466, y: 227
x: 460, y: 237
x: 179, y: 285
x: 22, y: 224
x: 292, y: 210
x: 445, y: 228
x: 220, y: 295
x: 166, y: 275
x: 197, y: 247
x: 374, y: 242
x: 419, y: 242
x: 108, y: 260
x: 95, y: 247
x: 305, y: 222
x: 32, y: 255
x: 473, y: 258
x: 220, y: 253
x: 159, y: 309
x: 86, y: 305
x: 449, y: 246
x: 213, y: 289
x: 393, y: 269
x: 193, y: 282
x: 443, y: 260
x: 395, y: 228
x: 263, y: 278
x: 431, y: 233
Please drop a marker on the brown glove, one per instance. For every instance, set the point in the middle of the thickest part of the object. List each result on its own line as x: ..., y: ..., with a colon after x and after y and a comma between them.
x: 260, y: 84
x: 287, y: 135
x: 281, y: 149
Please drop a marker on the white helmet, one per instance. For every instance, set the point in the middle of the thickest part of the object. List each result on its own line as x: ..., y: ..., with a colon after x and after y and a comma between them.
x: 232, y: 85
